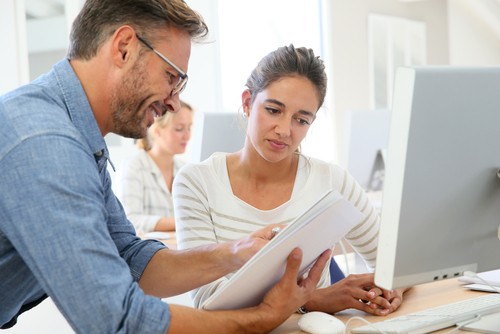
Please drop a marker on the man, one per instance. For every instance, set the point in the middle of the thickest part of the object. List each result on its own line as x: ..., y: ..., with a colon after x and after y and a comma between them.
x: 63, y: 233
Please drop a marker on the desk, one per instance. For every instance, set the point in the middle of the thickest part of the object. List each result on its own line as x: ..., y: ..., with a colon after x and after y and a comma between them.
x: 171, y: 242
x: 420, y: 297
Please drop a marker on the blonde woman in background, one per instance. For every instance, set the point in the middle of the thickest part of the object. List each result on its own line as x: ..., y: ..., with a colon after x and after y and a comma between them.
x: 146, y: 179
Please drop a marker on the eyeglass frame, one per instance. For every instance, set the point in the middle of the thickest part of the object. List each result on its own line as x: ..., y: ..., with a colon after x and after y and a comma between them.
x: 179, y: 87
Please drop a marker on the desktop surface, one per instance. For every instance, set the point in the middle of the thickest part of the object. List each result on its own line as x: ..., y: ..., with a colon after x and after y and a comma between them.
x: 420, y: 297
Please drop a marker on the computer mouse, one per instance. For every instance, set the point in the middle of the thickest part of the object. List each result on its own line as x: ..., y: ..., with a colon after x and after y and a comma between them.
x: 321, y: 323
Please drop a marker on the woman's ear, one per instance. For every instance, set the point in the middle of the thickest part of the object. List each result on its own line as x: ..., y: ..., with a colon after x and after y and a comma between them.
x: 246, y: 97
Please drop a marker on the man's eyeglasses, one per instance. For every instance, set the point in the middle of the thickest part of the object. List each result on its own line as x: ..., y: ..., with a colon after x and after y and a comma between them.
x: 183, y: 77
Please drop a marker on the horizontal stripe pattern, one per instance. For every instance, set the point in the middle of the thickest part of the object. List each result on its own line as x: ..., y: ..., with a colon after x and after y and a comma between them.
x: 207, y: 211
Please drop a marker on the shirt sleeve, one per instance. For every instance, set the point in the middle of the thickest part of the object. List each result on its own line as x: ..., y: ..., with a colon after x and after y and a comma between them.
x: 63, y: 220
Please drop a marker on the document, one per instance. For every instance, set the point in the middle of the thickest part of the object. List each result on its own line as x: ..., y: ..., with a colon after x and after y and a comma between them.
x: 157, y: 235
x: 315, y: 231
x: 492, y: 277
x: 485, y: 281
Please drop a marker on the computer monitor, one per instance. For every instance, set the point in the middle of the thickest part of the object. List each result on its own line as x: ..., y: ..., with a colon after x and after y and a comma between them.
x: 367, y: 138
x: 216, y: 132
x: 441, y: 200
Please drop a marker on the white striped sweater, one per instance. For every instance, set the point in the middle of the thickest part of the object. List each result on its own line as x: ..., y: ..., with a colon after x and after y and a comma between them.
x: 207, y: 212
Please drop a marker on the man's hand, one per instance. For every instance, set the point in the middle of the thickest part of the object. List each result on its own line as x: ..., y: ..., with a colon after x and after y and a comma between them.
x: 243, y: 249
x: 278, y: 304
x: 291, y: 292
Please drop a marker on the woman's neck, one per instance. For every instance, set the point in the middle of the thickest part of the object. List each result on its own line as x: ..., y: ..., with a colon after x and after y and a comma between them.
x: 260, y: 183
x: 257, y: 168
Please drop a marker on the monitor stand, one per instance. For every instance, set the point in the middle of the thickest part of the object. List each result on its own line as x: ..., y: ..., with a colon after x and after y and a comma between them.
x: 377, y: 175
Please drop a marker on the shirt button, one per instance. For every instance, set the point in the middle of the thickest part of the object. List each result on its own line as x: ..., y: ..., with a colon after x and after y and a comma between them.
x: 98, y: 154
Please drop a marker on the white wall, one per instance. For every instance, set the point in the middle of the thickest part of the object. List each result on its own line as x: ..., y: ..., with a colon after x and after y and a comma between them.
x: 14, y: 57
x: 346, y: 40
x: 45, y: 52
x: 474, y: 32
x: 203, y: 89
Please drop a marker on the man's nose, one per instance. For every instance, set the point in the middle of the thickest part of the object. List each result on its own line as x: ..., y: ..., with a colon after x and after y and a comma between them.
x: 172, y: 103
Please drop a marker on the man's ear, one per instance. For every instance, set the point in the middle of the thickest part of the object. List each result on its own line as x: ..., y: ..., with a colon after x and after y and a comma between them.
x: 123, y: 42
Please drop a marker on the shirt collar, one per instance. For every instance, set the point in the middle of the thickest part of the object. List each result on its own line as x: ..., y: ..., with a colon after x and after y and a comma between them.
x: 79, y: 109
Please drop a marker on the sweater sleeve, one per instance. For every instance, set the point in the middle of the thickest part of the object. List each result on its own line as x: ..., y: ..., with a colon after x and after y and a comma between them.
x: 364, y: 236
x: 194, y: 223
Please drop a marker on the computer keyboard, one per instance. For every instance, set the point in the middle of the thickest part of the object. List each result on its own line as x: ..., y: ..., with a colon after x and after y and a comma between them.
x: 435, y: 318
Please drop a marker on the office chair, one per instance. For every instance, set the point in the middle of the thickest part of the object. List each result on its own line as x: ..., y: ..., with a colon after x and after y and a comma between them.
x: 336, y: 274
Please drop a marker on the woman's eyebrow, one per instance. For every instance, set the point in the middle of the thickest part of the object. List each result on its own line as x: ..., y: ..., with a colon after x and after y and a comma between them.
x: 306, y: 113
x: 281, y: 104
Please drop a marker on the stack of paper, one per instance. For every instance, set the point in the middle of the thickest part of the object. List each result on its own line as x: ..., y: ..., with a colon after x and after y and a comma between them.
x: 315, y: 231
x: 485, y: 281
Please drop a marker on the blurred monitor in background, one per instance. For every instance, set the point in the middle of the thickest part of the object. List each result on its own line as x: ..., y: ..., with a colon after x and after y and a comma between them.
x: 216, y: 132
x: 367, y: 138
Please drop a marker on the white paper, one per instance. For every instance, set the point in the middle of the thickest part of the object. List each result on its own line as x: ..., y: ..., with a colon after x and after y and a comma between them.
x: 492, y: 277
x: 157, y: 235
x: 317, y: 230
x: 482, y: 287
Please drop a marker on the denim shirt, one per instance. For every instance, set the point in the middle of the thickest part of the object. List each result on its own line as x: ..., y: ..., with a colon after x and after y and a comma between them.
x: 63, y: 233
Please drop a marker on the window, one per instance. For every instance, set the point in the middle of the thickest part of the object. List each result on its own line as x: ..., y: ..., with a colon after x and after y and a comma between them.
x: 248, y: 30
x: 393, y: 42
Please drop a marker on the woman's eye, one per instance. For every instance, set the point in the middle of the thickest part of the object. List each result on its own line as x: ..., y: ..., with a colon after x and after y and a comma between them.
x: 272, y: 110
x: 303, y: 121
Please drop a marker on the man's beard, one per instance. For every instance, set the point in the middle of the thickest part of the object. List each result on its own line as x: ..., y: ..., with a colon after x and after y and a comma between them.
x: 127, y: 104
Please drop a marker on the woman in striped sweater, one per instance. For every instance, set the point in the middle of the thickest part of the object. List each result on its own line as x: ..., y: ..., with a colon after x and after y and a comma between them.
x: 230, y: 195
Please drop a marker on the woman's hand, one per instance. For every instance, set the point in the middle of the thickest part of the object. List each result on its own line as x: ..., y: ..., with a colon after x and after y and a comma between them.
x: 356, y: 291
x: 394, y: 297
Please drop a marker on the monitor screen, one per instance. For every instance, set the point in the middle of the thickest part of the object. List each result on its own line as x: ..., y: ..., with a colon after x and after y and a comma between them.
x: 441, y: 200
x: 216, y: 132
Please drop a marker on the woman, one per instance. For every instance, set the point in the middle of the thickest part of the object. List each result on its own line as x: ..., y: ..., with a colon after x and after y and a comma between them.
x: 268, y: 181
x: 146, y: 181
